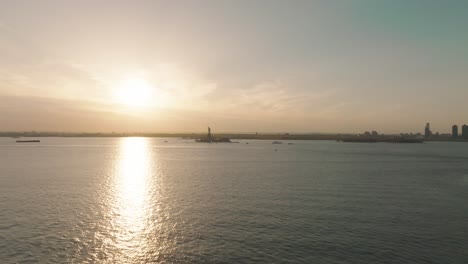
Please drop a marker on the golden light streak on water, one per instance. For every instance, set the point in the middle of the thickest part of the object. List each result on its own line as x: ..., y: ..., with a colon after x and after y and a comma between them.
x: 132, y: 217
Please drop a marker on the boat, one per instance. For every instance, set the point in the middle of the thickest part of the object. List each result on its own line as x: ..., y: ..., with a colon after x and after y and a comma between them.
x: 276, y: 142
x: 28, y: 141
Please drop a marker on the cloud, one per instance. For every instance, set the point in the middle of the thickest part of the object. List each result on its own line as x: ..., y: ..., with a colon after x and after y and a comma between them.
x: 26, y: 113
x: 54, y: 79
x: 270, y: 98
x: 5, y: 28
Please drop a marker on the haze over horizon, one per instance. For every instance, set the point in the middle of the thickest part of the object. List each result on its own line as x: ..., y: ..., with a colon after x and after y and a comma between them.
x: 239, y: 66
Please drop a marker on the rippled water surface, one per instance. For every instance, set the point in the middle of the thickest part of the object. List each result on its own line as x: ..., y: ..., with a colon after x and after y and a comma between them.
x: 140, y: 200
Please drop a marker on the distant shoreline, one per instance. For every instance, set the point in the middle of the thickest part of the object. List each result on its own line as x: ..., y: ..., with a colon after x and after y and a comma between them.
x: 258, y: 136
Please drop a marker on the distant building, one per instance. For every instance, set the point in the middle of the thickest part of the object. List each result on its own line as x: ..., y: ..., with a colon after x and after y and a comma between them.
x: 465, y: 131
x: 455, y: 131
x: 427, y: 130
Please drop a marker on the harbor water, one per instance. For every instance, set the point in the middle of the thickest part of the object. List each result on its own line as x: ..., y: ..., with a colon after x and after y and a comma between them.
x: 145, y: 200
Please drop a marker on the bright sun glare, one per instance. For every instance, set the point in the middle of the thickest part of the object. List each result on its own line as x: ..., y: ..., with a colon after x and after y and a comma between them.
x: 134, y: 92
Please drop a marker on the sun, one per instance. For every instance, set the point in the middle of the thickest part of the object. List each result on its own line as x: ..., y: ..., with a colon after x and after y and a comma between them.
x: 136, y: 92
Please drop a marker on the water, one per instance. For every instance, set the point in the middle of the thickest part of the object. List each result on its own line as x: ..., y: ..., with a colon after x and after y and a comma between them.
x: 140, y: 200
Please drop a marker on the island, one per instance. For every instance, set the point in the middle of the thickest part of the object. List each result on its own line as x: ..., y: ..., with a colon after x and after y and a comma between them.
x: 210, y: 139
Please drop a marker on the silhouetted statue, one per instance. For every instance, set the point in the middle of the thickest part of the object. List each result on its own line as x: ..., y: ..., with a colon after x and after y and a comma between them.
x: 209, y: 138
x: 209, y: 134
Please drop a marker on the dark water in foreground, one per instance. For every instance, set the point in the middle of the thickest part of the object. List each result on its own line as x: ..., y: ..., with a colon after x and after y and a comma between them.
x: 137, y: 200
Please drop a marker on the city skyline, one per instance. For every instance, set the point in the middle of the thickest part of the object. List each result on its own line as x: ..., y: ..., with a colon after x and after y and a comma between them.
x: 239, y: 66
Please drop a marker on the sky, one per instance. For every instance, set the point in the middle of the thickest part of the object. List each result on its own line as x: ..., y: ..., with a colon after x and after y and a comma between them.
x: 329, y: 66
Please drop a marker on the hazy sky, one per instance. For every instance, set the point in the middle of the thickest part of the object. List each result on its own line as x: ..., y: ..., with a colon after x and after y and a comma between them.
x: 295, y: 66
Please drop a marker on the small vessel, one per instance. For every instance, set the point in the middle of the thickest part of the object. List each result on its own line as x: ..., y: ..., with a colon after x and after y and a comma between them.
x: 28, y: 141
x: 276, y: 142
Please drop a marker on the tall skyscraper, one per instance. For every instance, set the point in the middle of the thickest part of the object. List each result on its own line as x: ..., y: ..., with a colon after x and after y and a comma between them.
x: 465, y: 131
x: 455, y: 131
x: 427, y: 130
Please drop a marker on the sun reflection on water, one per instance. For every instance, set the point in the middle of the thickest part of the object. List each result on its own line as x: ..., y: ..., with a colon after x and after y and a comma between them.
x: 131, y: 219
